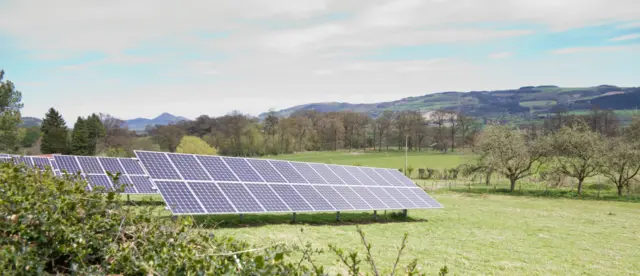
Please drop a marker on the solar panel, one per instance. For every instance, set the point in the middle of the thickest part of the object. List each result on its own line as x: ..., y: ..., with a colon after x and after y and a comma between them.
x: 246, y: 185
x: 424, y: 196
x: 242, y: 169
x: 288, y: 172
x: 401, y: 177
x: 96, y: 168
x: 41, y: 163
x: 179, y: 198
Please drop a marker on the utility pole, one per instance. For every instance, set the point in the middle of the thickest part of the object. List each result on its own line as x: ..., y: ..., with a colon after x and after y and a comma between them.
x: 406, y: 150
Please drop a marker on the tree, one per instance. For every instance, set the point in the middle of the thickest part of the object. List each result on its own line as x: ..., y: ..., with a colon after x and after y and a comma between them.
x: 54, y: 133
x: 621, y: 162
x: 29, y: 136
x: 168, y: 137
x: 95, y: 132
x: 506, y: 151
x: 117, y: 135
x: 80, y: 144
x: 195, y: 145
x: 577, y: 151
x: 10, y: 105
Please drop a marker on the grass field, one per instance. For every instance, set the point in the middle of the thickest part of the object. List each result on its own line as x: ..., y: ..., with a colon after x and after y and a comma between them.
x: 474, y: 234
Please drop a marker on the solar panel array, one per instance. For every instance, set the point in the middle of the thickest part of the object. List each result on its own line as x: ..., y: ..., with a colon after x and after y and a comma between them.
x: 200, y: 184
x: 31, y: 162
x: 95, y: 169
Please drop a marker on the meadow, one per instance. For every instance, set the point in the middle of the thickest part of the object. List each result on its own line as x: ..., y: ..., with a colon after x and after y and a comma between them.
x: 476, y: 233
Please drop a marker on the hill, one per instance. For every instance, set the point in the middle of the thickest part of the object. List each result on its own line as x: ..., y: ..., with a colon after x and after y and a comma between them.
x: 139, y: 124
x: 30, y: 122
x: 527, y: 102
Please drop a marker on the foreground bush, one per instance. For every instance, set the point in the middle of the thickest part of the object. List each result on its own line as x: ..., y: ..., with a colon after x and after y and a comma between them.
x: 51, y: 225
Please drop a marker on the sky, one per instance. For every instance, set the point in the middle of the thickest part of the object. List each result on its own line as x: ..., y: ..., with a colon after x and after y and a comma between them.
x: 144, y: 57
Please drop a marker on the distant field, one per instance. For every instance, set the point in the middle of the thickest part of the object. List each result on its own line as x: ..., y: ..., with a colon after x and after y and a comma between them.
x: 537, y: 103
x: 392, y: 159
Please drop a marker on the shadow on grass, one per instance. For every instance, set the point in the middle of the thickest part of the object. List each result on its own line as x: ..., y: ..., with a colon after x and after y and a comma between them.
x: 587, y: 194
x: 308, y: 219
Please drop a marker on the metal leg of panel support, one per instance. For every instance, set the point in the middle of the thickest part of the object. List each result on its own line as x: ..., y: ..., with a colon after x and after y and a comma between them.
x: 294, y: 217
x: 128, y: 199
x: 338, y: 216
x: 375, y: 215
x: 241, y: 217
x: 404, y: 213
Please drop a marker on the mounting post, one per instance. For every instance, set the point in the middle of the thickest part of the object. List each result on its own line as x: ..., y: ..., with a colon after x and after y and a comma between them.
x: 241, y: 217
x: 375, y: 215
x: 128, y: 199
x: 294, y: 216
x: 338, y: 216
x: 404, y: 213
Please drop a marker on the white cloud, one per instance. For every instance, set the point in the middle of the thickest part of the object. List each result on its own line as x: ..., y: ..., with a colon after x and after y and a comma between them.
x: 323, y: 72
x: 600, y: 49
x: 500, y: 55
x: 630, y: 25
x: 626, y: 37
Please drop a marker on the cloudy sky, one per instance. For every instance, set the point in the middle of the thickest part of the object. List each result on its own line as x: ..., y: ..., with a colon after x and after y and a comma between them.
x: 138, y: 58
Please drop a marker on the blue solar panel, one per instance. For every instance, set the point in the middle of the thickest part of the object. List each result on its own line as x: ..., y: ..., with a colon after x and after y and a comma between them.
x: 5, y: 159
x: 384, y: 173
x: 341, y: 172
x: 124, y: 181
x: 179, y: 198
x: 158, y: 165
x: 143, y: 184
x: 291, y: 197
x: 211, y: 197
x: 333, y: 197
x: 90, y: 164
x: 350, y: 196
x: 313, y: 198
x: 216, y: 168
x: 240, y: 198
x: 308, y: 173
x: 100, y: 181
x: 269, y: 199
x: 242, y: 169
x: 369, y: 197
x: 268, y: 173
x: 403, y: 179
x: 131, y: 166
x: 67, y: 163
x: 360, y: 176
x: 188, y: 167
x: 23, y: 160
x: 377, y: 179
x: 424, y: 196
x: 404, y: 201
x: 111, y: 165
x: 288, y: 172
x: 406, y: 192
x: 385, y: 198
x: 327, y: 174
x: 41, y: 162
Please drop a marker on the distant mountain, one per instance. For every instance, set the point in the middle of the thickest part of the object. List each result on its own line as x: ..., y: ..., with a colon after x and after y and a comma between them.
x: 139, y: 124
x: 528, y: 102
x: 30, y: 122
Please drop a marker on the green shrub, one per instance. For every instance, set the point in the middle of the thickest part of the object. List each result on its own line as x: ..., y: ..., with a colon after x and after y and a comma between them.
x: 409, y: 170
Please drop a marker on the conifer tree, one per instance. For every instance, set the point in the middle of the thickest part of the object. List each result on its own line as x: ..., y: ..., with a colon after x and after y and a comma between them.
x: 95, y: 131
x: 54, y: 133
x: 10, y: 105
x: 80, y: 144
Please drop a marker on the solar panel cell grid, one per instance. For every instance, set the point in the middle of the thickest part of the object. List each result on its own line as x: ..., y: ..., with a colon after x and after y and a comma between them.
x: 288, y: 171
x: 158, y: 165
x: 216, y: 168
x: 143, y: 184
x: 393, y: 192
x: 388, y: 177
x: 90, y: 164
x: 179, y: 198
x: 211, y: 197
x: 289, y: 195
x: 131, y: 166
x: 344, y: 175
x: 68, y: 164
x: 268, y: 173
x: 402, y: 178
x: 369, y: 197
x: 188, y: 167
x: 413, y: 198
x: 242, y: 169
x: 317, y: 202
x: 354, y: 199
x: 41, y: 162
x: 424, y: 196
x: 308, y: 173
x: 100, y: 181
x: 240, y: 198
x: 385, y: 198
x: 111, y: 165
x: 269, y: 199
x: 334, y: 198
x: 377, y: 179
x: 363, y: 178
x: 327, y: 174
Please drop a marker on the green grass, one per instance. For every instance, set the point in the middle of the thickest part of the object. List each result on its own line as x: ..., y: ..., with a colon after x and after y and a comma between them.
x: 390, y: 159
x: 478, y: 234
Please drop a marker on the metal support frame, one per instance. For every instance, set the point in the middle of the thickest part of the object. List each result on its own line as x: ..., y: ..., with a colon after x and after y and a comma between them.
x: 241, y: 217
x: 294, y: 217
x: 375, y: 215
x: 404, y: 213
x: 128, y: 199
x: 338, y: 216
